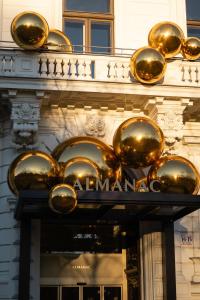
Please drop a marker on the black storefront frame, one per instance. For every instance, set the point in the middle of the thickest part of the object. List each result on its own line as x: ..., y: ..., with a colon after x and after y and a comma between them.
x: 37, y: 203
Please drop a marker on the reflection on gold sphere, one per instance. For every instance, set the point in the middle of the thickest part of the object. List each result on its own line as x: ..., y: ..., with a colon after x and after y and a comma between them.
x: 148, y: 65
x: 81, y: 171
x: 175, y: 174
x: 62, y: 199
x: 166, y: 37
x: 93, y: 149
x: 138, y: 142
x: 141, y: 185
x: 191, y: 48
x: 58, y: 41
x: 29, y: 30
x: 32, y: 170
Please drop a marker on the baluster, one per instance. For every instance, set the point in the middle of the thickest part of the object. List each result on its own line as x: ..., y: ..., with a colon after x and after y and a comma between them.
x: 111, y: 70
x: 51, y: 67
x: 197, y: 75
x: 42, y: 67
x: 73, y: 68
x: 88, y: 69
x: 58, y: 68
x: 183, y: 73
x: 190, y: 74
x: 115, y: 70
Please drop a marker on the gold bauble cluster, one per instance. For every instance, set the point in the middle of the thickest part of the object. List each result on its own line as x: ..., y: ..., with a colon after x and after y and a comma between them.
x: 30, y: 31
x: 137, y: 143
x: 165, y: 40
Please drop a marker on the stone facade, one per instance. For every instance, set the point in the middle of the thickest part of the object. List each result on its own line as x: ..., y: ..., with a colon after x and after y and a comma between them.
x: 46, y: 98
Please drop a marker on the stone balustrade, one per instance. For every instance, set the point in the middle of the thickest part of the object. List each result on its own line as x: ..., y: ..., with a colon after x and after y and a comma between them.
x: 98, y: 68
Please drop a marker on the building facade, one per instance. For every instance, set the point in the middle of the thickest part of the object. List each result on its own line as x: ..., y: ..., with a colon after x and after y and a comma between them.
x: 47, y: 97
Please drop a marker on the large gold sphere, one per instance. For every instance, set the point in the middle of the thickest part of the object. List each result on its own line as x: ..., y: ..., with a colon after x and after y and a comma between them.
x: 93, y: 149
x: 175, y: 174
x: 167, y: 37
x: 32, y: 170
x: 80, y: 172
x: 138, y: 142
x: 148, y: 65
x: 62, y: 199
x: 191, y: 48
x: 58, y: 41
x: 29, y: 30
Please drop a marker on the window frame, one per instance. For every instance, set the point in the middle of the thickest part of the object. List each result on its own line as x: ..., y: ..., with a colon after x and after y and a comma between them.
x: 191, y: 22
x: 87, y: 18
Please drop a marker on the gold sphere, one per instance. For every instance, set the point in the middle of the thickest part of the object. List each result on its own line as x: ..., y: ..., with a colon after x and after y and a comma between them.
x: 29, y: 30
x: 80, y: 172
x: 175, y: 174
x: 58, y: 41
x: 148, y: 65
x: 166, y: 37
x: 32, y: 170
x: 62, y: 199
x: 191, y: 48
x: 93, y: 149
x: 138, y: 142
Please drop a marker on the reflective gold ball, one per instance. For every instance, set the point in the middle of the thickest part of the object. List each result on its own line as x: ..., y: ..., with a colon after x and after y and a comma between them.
x: 167, y: 37
x: 62, y: 199
x: 58, y: 41
x: 141, y: 185
x: 175, y: 174
x: 138, y: 142
x: 191, y: 48
x: 148, y: 65
x: 29, y: 30
x: 80, y: 173
x: 93, y: 149
x: 32, y: 170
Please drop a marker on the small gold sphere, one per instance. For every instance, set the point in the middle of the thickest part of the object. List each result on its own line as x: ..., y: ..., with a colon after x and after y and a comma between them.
x: 62, y: 199
x: 148, y: 65
x: 93, y: 149
x: 80, y: 172
x: 58, y: 41
x: 32, y: 170
x: 191, y: 48
x: 29, y: 30
x: 138, y: 142
x: 175, y: 174
x: 166, y: 37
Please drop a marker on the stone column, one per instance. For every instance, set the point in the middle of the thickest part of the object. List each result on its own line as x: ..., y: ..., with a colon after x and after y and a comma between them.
x: 151, y: 261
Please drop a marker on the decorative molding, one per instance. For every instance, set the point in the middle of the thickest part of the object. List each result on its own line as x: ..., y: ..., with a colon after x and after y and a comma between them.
x: 95, y: 125
x: 25, y: 115
x: 168, y: 113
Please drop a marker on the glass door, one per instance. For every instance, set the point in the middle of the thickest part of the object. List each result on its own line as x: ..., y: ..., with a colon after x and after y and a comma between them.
x: 70, y: 293
x: 112, y: 293
x: 91, y: 293
x: 49, y: 293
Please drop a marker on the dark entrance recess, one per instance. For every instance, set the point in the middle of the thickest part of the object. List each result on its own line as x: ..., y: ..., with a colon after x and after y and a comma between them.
x: 109, y: 209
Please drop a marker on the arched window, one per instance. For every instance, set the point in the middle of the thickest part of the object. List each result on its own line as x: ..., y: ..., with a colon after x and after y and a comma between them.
x: 193, y: 17
x: 89, y: 25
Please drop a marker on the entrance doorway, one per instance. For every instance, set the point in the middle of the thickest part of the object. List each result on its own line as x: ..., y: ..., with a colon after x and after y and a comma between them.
x: 81, y: 292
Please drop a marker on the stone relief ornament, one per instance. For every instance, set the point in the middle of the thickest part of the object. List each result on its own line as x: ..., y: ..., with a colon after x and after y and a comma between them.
x: 172, y: 124
x: 95, y: 126
x: 25, y: 117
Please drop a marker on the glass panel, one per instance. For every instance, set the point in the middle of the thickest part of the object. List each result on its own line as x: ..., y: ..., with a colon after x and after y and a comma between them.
x: 100, y: 37
x: 193, y: 9
x: 91, y: 293
x: 48, y: 293
x: 70, y: 293
x: 75, y: 30
x: 112, y: 293
x: 192, y: 31
x: 97, y: 6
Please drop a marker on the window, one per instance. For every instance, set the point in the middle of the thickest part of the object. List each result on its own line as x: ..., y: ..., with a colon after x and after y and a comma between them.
x: 193, y: 17
x: 89, y: 25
